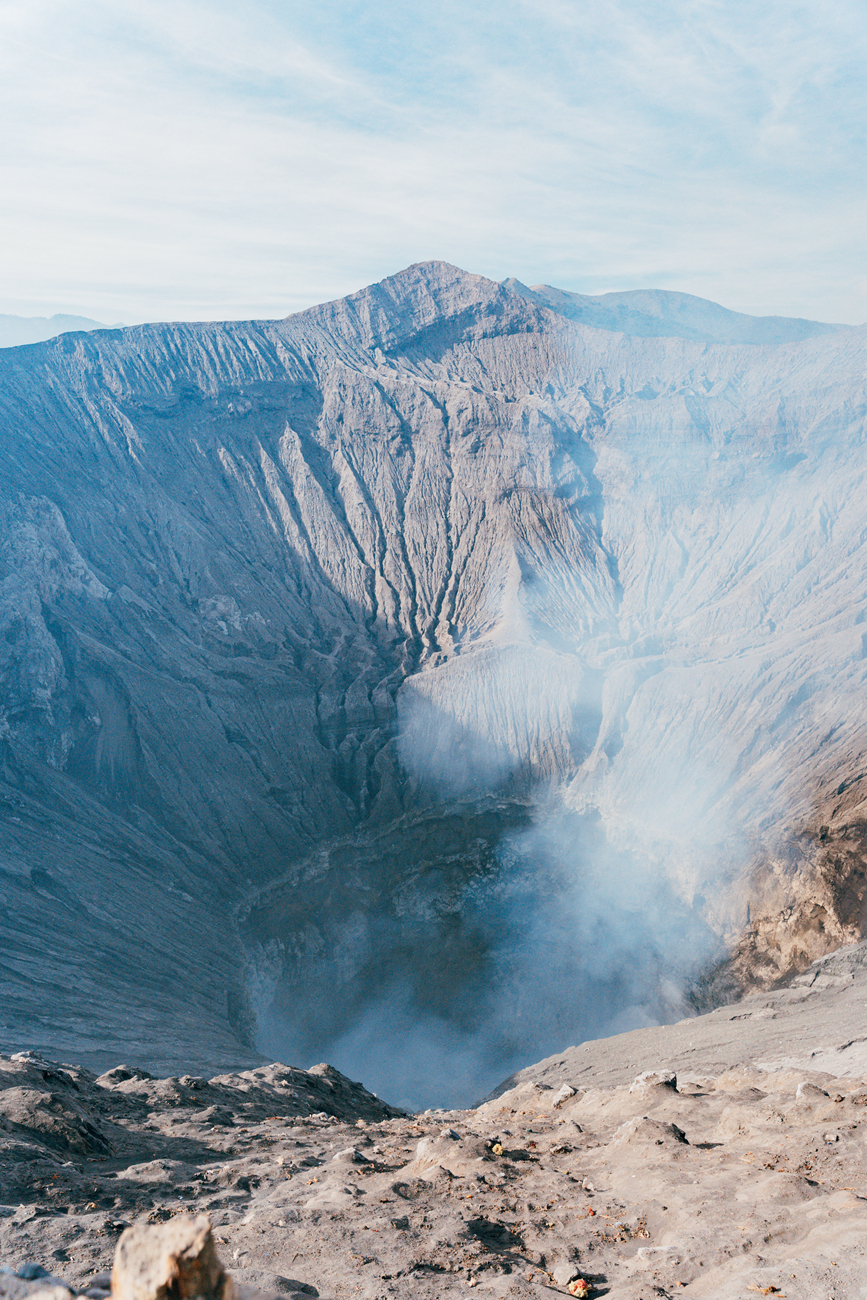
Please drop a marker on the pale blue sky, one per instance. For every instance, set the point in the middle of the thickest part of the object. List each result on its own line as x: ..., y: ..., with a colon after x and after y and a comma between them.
x: 190, y: 159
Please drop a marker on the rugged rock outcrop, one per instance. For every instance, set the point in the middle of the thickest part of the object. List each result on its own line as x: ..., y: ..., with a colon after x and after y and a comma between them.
x: 427, y: 666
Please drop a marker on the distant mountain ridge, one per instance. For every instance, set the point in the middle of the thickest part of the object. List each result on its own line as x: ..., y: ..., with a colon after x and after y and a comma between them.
x: 642, y: 313
x: 18, y: 330
x: 662, y: 313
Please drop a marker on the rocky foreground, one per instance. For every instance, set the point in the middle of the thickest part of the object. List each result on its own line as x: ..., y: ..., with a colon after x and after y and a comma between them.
x: 750, y: 1179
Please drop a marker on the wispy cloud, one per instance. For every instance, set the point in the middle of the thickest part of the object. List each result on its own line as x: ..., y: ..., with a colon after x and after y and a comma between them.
x: 195, y: 159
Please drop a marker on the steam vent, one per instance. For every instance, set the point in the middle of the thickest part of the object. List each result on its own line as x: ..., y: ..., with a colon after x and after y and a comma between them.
x: 427, y: 681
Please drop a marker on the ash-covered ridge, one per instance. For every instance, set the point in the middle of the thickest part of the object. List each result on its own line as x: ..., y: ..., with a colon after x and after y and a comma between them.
x: 424, y: 681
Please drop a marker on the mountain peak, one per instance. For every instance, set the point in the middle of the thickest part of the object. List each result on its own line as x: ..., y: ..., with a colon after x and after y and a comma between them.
x: 398, y: 307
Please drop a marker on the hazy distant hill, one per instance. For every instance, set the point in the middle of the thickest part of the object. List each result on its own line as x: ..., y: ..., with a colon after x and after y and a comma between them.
x: 660, y: 313
x: 15, y: 330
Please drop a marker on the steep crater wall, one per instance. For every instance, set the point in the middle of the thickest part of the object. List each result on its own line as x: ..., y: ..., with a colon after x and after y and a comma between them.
x: 426, y: 659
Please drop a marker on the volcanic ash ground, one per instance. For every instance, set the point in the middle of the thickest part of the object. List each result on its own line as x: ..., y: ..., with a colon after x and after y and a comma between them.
x: 749, y: 1179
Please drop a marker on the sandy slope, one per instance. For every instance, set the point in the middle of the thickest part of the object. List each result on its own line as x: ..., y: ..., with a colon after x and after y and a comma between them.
x: 818, y: 1023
